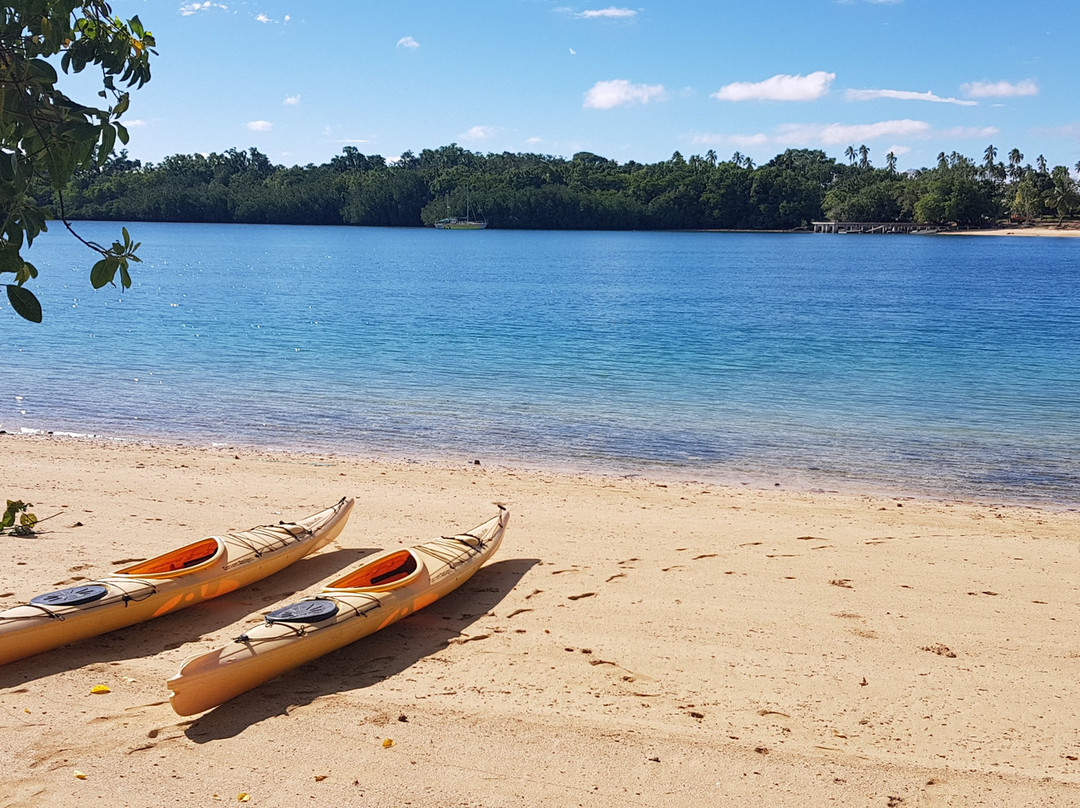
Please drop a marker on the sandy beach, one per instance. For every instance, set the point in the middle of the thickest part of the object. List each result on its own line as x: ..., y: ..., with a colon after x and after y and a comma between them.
x: 634, y: 642
x: 1070, y: 230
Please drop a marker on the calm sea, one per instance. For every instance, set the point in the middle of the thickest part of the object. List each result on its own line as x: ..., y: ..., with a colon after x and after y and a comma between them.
x: 937, y: 365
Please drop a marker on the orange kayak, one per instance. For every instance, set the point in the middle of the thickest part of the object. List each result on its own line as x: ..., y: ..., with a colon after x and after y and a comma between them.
x: 384, y: 589
x: 191, y: 574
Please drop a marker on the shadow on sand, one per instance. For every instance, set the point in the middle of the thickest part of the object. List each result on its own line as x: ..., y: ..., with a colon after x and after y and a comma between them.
x: 370, y: 660
x: 187, y: 625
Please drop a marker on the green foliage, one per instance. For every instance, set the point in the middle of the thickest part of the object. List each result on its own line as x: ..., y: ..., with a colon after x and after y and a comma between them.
x: 536, y: 191
x: 1064, y: 196
x: 27, y: 520
x: 47, y: 136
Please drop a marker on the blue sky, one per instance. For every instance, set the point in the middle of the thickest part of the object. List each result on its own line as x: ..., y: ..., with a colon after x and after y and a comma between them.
x: 301, y: 79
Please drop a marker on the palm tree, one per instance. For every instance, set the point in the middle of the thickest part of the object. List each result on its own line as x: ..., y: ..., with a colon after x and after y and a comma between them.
x: 1064, y: 197
x: 710, y: 157
x: 849, y: 153
x: 1041, y: 163
x: 989, y: 158
x: 942, y: 161
x: 1015, y: 158
x: 736, y: 158
x: 890, y: 162
x: 864, y: 156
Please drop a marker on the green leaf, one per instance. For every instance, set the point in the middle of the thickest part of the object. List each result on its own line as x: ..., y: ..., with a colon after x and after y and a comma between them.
x: 9, y: 166
x: 24, y: 303
x: 108, y: 141
x: 10, y: 260
x: 42, y: 71
x: 104, y: 271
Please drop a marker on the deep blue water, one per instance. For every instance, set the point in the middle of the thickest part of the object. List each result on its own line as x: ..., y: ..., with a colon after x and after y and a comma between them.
x: 940, y: 365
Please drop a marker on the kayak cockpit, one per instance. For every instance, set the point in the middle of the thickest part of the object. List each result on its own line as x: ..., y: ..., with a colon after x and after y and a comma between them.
x: 388, y: 572
x: 187, y: 559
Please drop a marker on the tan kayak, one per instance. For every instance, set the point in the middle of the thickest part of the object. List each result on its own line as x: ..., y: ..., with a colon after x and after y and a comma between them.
x: 386, y: 588
x: 196, y: 572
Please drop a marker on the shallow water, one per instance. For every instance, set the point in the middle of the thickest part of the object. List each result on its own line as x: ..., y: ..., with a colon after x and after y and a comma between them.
x: 932, y: 365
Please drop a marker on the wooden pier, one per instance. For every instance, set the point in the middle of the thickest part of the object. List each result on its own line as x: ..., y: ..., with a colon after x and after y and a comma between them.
x: 886, y: 228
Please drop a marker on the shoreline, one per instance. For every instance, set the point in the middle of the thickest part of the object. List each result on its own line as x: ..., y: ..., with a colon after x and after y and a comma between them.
x: 796, y: 481
x: 634, y: 642
x: 1048, y: 231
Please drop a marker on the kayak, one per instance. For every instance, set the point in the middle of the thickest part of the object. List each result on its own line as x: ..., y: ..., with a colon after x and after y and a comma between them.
x: 191, y: 574
x: 384, y: 589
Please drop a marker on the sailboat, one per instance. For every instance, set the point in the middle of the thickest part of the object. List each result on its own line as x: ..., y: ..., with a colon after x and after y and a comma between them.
x: 456, y: 222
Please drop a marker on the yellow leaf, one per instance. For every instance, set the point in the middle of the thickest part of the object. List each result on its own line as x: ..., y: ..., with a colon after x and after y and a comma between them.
x: 387, y: 743
x: 243, y: 796
x: 100, y: 689
x: 80, y: 775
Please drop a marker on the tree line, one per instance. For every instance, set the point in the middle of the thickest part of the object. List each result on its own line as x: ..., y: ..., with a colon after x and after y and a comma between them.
x: 587, y: 191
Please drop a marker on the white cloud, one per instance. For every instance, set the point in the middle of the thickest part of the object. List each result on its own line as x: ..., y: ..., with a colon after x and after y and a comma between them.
x: 262, y: 18
x: 534, y: 141
x: 779, y: 88
x: 835, y: 133
x: 573, y: 52
x: 610, y: 13
x: 292, y: 100
x: 999, y: 89
x: 904, y: 95
x: 828, y: 134
x: 260, y: 126
x: 620, y: 92
x: 898, y: 150
x: 352, y: 140
x: 479, y: 133
x: 188, y: 9
x: 136, y: 124
x: 1069, y: 130
x: 408, y: 42
x: 970, y: 131
x: 749, y: 140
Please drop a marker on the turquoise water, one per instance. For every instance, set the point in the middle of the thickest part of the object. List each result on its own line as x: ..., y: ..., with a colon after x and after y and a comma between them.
x: 940, y: 365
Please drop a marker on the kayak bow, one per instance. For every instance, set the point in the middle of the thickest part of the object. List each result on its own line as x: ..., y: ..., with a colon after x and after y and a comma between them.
x: 191, y: 574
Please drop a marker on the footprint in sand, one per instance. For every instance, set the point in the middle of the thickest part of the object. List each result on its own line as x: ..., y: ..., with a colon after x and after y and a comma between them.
x: 940, y: 650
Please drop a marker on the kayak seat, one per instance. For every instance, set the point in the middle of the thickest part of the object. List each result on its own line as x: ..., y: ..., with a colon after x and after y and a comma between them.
x: 388, y: 570
x: 72, y: 596
x: 186, y: 558
x: 306, y: 611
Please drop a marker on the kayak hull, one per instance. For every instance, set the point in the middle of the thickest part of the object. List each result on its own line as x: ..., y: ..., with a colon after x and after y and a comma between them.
x: 383, y: 590
x: 192, y: 574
